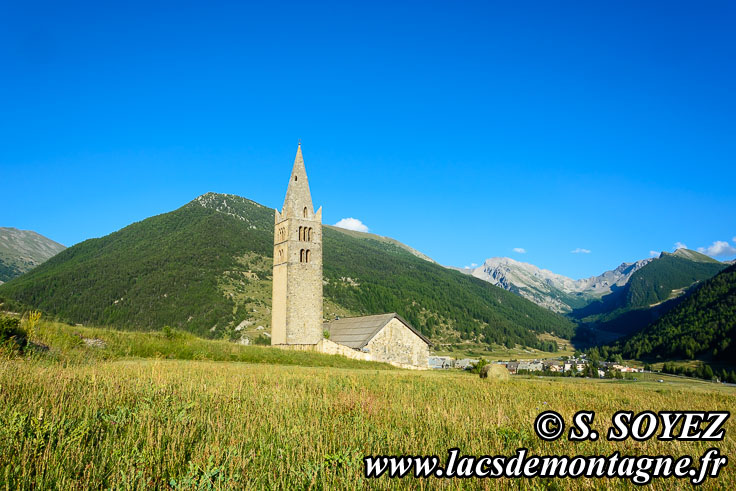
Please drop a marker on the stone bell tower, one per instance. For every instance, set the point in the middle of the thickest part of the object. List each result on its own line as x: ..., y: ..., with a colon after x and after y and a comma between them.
x: 296, y: 316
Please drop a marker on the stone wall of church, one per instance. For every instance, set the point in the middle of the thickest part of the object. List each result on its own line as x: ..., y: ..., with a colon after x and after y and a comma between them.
x: 304, y: 284
x: 328, y: 347
x: 297, y: 281
x: 398, y: 345
x: 331, y: 348
x: 297, y: 264
x: 278, y: 299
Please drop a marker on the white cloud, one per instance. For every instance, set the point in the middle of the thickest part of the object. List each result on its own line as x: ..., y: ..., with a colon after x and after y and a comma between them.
x: 580, y: 250
x: 718, y: 248
x: 473, y: 265
x: 653, y: 253
x: 680, y: 245
x: 352, y: 224
x: 520, y: 250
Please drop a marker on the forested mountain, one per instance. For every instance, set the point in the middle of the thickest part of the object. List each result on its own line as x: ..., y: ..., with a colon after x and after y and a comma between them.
x: 23, y: 250
x: 206, y: 267
x: 651, y: 291
x: 657, y: 281
x: 703, y: 325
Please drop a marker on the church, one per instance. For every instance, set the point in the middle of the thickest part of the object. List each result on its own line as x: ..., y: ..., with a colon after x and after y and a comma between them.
x: 297, y: 320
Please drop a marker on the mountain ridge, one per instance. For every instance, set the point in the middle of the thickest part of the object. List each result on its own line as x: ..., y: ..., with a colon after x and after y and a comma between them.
x: 554, y: 291
x: 206, y: 267
x: 701, y: 326
x: 23, y: 250
x: 651, y: 292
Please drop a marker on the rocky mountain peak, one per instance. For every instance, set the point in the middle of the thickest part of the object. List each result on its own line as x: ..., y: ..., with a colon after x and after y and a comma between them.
x: 547, y: 289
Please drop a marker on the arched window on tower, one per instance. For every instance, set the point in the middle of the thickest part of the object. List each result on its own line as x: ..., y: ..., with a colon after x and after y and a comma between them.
x: 300, y: 233
x: 307, y: 256
x: 305, y: 212
x: 309, y: 234
x: 301, y: 256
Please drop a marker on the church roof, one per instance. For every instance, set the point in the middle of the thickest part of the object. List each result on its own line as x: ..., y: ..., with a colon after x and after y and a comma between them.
x: 356, y: 332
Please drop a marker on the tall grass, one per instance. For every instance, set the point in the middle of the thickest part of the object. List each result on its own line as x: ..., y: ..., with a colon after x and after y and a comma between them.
x: 67, y: 344
x: 135, y: 424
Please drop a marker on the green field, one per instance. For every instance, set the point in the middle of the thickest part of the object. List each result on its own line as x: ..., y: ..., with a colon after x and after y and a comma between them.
x: 500, y: 352
x: 78, y: 416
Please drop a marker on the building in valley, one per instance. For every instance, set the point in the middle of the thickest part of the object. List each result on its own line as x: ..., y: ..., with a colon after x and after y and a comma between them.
x: 296, y: 315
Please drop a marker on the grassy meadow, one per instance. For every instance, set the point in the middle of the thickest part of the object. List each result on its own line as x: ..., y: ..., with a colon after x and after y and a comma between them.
x: 79, y: 416
x: 77, y: 344
x: 501, y: 352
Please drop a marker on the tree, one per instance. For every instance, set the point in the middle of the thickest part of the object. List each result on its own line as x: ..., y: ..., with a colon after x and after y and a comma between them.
x: 478, y: 367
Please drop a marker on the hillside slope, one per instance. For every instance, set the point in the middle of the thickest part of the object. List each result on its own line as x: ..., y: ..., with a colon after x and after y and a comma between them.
x: 23, y: 250
x: 206, y: 268
x: 657, y: 281
x: 704, y: 324
x: 652, y: 291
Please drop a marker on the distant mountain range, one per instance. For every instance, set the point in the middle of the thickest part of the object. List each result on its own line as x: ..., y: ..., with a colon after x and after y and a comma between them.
x: 614, y: 304
x: 206, y: 267
x: 702, y: 326
x: 23, y: 250
x: 550, y: 290
x: 651, y: 292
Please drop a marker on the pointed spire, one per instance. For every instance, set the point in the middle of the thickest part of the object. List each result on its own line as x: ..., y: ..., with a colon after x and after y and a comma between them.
x: 299, y: 157
x: 298, y: 196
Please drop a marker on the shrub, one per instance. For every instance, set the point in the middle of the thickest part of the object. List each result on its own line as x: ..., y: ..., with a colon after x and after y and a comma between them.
x: 262, y: 340
x: 168, y: 332
x: 11, y: 332
x: 31, y: 322
x: 478, y: 367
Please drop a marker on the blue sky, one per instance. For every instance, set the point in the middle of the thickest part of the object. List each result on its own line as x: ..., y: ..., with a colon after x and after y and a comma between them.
x: 465, y: 130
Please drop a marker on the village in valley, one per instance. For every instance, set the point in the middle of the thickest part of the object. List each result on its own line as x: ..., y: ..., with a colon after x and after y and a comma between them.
x: 566, y: 366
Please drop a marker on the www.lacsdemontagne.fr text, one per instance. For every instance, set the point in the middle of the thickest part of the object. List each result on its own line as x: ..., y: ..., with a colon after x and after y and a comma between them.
x: 549, y: 426
x: 640, y: 469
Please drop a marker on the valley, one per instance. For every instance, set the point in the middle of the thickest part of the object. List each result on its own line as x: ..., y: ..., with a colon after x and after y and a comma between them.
x: 145, y: 277
x: 206, y: 268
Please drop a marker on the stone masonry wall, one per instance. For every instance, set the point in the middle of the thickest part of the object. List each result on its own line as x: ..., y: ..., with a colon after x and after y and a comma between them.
x: 398, y: 345
x: 304, y: 283
x: 297, y: 265
x: 331, y: 348
x: 297, y: 284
